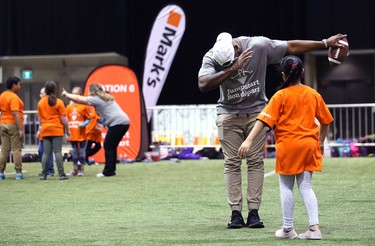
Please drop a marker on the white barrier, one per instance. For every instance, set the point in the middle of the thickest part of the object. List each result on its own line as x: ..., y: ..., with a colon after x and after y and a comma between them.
x: 194, y: 126
x: 353, y: 122
x: 31, y: 126
x: 185, y: 125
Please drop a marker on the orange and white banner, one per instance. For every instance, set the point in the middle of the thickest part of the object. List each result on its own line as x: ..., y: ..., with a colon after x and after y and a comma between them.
x: 165, y: 37
x: 122, y: 83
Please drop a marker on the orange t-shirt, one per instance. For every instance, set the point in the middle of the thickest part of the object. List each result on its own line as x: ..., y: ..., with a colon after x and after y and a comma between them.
x: 94, y: 128
x: 9, y: 101
x: 77, y: 114
x: 293, y: 111
x: 51, y: 125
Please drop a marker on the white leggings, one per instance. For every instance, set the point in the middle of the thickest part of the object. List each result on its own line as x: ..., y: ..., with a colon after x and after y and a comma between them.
x: 307, y: 194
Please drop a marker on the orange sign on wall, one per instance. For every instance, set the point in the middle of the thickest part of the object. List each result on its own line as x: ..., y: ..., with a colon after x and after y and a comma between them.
x: 122, y: 83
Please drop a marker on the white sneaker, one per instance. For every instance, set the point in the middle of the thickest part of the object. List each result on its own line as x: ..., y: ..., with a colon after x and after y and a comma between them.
x: 311, y: 235
x: 100, y: 175
x: 81, y: 173
x: 287, y: 235
x: 72, y: 173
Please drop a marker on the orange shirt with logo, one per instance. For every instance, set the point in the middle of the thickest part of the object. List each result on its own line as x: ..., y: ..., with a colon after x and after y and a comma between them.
x: 293, y: 111
x: 51, y: 125
x: 77, y: 114
x: 94, y: 128
x: 9, y: 101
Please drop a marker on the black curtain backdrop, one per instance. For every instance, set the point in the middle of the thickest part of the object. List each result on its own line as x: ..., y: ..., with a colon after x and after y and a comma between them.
x: 47, y: 27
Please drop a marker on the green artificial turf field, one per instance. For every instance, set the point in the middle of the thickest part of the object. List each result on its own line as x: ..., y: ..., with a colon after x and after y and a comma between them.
x: 166, y: 203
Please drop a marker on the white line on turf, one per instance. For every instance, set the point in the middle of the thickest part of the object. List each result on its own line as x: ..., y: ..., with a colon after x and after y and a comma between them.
x: 269, y: 174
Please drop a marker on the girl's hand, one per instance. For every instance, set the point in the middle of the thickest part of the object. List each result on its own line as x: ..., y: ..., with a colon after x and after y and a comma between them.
x: 244, y: 148
x: 64, y: 92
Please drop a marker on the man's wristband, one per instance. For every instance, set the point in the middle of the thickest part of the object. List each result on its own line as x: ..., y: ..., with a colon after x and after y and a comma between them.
x: 325, y: 43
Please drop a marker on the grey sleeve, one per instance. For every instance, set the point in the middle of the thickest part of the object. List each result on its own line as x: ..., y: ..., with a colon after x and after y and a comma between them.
x: 93, y: 101
x: 207, y: 66
x: 276, y: 50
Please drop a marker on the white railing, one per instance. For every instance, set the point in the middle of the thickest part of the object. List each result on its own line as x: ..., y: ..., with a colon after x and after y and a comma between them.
x: 31, y: 126
x: 353, y: 122
x: 187, y: 125
x: 194, y: 126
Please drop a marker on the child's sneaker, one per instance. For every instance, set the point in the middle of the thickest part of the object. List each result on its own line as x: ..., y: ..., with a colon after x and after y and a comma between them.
x: 311, y: 235
x: 81, y: 173
x: 284, y: 233
x: 73, y: 173
x: 19, y: 176
x: 2, y: 176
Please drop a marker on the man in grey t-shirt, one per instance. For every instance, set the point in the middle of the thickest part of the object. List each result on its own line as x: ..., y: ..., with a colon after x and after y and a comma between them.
x: 238, y: 67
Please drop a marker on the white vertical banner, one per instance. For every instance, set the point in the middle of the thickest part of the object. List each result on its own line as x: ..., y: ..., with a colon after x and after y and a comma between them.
x: 163, y: 43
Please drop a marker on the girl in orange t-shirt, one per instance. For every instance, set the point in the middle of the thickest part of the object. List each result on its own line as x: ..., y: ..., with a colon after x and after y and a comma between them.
x: 53, y: 125
x: 77, y: 115
x: 93, y: 134
x: 299, y: 143
x: 51, y: 169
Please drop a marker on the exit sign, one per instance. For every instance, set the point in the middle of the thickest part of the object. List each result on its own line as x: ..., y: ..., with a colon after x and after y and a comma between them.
x: 27, y: 74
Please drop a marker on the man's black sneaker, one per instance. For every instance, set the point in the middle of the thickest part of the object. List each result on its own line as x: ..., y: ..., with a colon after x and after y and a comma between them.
x: 253, y: 220
x: 63, y: 177
x: 42, y: 176
x: 236, y: 220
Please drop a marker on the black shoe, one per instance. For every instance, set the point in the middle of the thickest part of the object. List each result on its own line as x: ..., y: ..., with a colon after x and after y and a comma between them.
x: 63, y: 177
x: 253, y: 220
x: 42, y: 176
x: 236, y: 220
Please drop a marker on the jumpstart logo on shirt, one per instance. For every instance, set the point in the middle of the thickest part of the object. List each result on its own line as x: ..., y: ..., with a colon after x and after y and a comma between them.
x: 243, y: 90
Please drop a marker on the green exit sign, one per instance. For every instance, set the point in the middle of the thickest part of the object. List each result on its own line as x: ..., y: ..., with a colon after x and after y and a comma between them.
x: 27, y: 74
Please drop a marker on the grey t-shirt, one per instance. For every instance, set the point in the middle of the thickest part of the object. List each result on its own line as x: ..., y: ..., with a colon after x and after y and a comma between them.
x: 109, y: 111
x: 244, y: 91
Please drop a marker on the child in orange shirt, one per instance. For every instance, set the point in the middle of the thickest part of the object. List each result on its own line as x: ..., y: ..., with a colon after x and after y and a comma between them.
x: 51, y: 169
x: 299, y: 143
x: 53, y: 125
x: 77, y: 114
x: 11, y: 126
x: 93, y: 134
